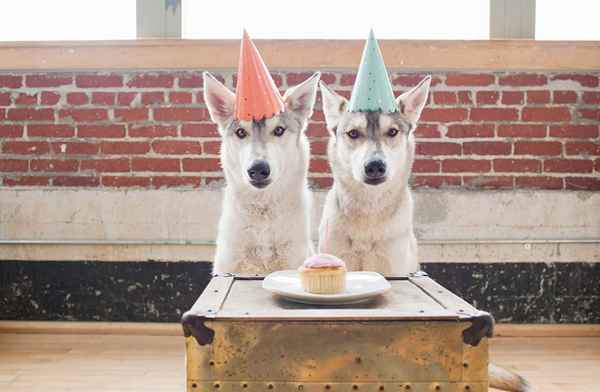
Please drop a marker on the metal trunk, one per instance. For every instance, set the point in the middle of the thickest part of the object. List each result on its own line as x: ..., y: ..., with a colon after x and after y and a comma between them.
x: 418, y: 337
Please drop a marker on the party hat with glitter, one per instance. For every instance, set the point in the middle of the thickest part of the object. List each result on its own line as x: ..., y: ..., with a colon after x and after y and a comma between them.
x: 257, y: 96
x: 372, y: 90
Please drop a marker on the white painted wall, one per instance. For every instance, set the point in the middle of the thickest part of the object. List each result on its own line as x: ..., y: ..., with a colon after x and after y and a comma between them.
x: 452, y: 226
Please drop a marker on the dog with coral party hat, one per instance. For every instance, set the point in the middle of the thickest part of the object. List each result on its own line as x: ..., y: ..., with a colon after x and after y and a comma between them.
x: 368, y: 214
x: 265, y: 222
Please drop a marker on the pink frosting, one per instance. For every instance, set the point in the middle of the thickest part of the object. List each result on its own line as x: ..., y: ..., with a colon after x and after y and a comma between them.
x: 323, y: 260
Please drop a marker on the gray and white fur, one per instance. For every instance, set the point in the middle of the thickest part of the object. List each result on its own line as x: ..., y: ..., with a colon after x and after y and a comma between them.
x: 265, y: 220
x: 368, y: 215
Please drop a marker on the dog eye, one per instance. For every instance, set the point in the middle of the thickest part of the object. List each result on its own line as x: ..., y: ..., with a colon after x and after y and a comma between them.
x: 278, y: 131
x: 392, y: 132
x: 241, y: 133
x: 353, y: 134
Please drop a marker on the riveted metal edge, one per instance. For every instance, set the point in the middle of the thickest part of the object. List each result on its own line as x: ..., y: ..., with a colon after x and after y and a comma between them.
x: 206, y: 307
x: 291, y: 386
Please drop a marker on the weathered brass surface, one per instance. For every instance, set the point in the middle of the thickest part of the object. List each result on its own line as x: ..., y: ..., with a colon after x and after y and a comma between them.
x: 351, y: 352
x: 475, y: 361
x: 410, y: 341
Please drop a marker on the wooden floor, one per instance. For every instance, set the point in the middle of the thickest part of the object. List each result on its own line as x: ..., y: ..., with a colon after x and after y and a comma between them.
x: 42, y: 362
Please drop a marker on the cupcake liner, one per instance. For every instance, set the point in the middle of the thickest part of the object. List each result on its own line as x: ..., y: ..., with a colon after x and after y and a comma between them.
x: 326, y: 282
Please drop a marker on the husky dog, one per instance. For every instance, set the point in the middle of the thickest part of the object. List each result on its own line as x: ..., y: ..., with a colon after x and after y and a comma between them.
x: 367, y: 219
x: 368, y: 213
x: 265, y: 222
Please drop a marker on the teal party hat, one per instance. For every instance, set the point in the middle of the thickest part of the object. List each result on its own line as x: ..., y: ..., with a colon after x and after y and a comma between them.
x: 372, y: 90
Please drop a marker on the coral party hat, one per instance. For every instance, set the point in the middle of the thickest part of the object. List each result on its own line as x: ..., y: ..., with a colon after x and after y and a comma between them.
x: 257, y: 96
x: 372, y: 90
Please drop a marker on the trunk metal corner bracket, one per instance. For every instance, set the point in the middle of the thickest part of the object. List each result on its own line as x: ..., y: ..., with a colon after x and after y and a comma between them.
x: 205, y: 308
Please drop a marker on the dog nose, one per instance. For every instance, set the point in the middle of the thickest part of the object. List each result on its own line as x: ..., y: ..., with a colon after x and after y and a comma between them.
x: 259, y: 170
x: 375, y: 169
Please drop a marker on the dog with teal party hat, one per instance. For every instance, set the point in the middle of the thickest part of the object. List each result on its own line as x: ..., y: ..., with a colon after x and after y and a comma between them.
x: 367, y: 218
x: 368, y: 214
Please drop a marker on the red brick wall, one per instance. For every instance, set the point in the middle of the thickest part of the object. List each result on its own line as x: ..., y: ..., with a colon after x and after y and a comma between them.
x: 151, y: 130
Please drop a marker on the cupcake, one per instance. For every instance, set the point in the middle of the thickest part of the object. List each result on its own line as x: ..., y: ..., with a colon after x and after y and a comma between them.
x: 323, y: 274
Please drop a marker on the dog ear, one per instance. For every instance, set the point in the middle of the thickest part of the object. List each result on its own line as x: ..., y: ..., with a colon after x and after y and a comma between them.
x: 411, y: 103
x: 334, y: 105
x: 220, y: 101
x: 300, y: 99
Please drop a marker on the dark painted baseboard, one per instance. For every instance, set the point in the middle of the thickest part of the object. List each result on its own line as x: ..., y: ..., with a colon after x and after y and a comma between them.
x: 162, y: 291
x: 526, y: 292
x: 100, y: 291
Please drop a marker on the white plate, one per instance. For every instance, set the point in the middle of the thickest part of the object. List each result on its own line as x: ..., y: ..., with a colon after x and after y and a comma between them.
x: 360, y: 286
